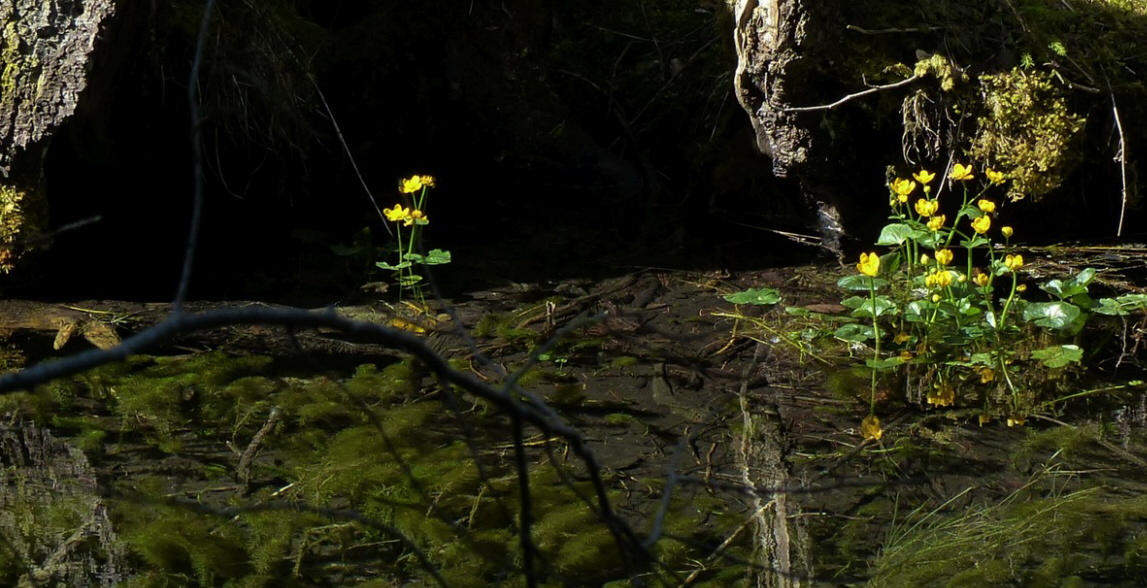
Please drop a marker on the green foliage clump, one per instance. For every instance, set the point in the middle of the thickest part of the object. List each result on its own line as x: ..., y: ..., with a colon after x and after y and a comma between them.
x: 1026, y: 131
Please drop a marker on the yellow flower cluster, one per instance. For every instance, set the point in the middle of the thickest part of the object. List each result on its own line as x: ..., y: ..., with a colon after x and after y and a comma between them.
x: 1014, y: 262
x: 416, y: 183
x: 938, y: 279
x: 406, y: 216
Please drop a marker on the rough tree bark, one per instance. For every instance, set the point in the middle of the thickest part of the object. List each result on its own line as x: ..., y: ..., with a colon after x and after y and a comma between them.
x: 45, y: 50
x: 779, y: 66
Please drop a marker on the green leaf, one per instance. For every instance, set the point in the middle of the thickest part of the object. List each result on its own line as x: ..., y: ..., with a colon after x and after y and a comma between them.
x: 860, y: 282
x: 895, y: 234
x: 1123, y: 305
x: 883, y: 364
x: 1058, y: 355
x: 883, y: 306
x: 387, y: 266
x: 1053, y: 315
x: 437, y: 257
x: 976, y: 241
x: 917, y: 311
x: 856, y: 333
x: 759, y: 296
x: 1073, y: 287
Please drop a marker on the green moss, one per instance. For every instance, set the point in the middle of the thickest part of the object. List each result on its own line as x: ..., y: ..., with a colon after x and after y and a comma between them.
x: 1026, y: 131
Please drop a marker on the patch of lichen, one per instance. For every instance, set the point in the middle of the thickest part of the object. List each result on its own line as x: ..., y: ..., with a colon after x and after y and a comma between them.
x: 1026, y: 131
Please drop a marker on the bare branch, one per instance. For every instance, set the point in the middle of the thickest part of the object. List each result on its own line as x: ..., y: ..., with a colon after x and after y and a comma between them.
x: 852, y: 97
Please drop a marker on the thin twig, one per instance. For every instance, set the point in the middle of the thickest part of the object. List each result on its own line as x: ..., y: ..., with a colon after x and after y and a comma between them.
x: 243, y: 470
x: 1121, y: 157
x: 196, y: 163
x: 890, y: 31
x: 852, y: 97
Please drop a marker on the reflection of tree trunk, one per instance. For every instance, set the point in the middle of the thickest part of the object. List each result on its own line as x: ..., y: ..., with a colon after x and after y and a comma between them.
x: 44, y: 67
x: 43, y: 483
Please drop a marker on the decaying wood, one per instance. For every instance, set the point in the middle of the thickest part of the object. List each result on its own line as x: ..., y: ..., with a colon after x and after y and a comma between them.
x: 103, y: 322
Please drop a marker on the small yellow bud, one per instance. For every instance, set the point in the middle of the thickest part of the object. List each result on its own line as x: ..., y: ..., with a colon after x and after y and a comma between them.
x: 1006, y: 232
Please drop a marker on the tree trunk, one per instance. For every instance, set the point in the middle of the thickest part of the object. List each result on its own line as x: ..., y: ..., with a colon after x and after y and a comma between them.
x: 45, y: 49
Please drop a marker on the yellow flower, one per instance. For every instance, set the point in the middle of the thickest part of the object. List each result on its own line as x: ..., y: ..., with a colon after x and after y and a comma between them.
x: 924, y: 259
x: 397, y: 213
x: 936, y: 222
x: 982, y: 224
x: 1016, y: 421
x: 985, y: 418
x: 935, y: 298
x: 1006, y: 232
x: 411, y: 185
x: 944, y: 256
x: 987, y: 206
x: 961, y: 172
x: 869, y: 264
x: 906, y: 356
x: 995, y: 177
x: 1014, y: 262
x: 926, y: 207
x: 415, y: 216
x: 1022, y: 288
x: 924, y: 176
x: 427, y: 181
x: 901, y: 338
x: 981, y: 279
x: 987, y: 375
x: 944, y: 279
x: 903, y: 188
x: 870, y: 428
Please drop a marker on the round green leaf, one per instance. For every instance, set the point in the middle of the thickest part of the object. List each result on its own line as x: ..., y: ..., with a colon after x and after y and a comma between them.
x: 1052, y: 315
